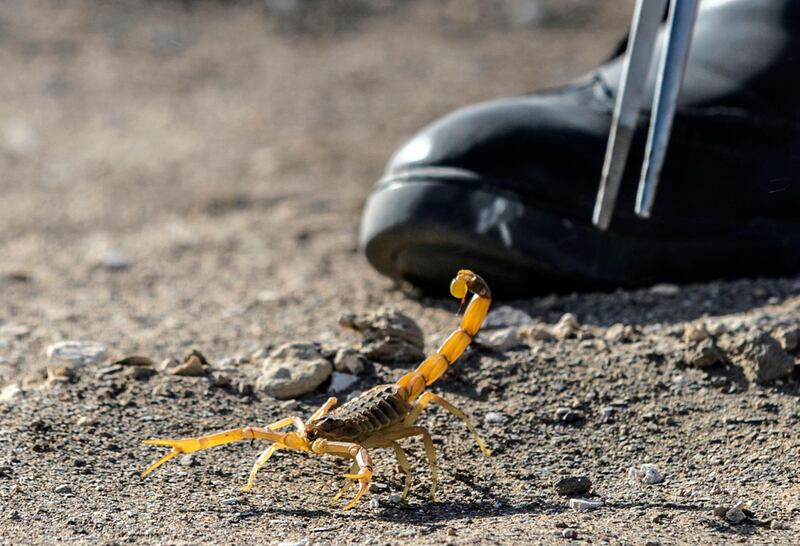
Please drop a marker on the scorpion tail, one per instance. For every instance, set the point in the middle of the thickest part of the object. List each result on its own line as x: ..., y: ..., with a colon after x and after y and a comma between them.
x: 435, y: 365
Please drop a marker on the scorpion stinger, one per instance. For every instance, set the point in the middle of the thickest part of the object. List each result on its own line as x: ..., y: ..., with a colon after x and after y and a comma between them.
x: 378, y: 418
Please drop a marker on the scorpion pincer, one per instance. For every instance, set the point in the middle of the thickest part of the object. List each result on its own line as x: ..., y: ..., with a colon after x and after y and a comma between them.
x: 378, y: 418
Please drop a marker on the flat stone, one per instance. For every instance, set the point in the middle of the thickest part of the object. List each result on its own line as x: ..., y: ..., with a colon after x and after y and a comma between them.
x: 585, y: 505
x: 665, y: 289
x: 496, y: 418
x: 570, y: 486
x: 77, y: 353
x: 292, y: 370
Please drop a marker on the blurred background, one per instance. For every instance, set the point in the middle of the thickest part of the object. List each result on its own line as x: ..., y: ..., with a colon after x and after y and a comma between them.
x: 175, y: 171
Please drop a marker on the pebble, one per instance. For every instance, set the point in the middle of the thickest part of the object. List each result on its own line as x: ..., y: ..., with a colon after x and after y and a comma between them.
x: 620, y: 332
x: 571, y: 534
x: 501, y: 340
x: 63, y: 489
x: 571, y: 486
x: 114, y: 259
x: 735, y: 514
x: 496, y: 418
x: 585, y: 505
x: 764, y: 360
x: 193, y: 365
x: 567, y: 415
x: 394, y: 498
x: 387, y: 335
x: 646, y: 473
x: 232, y: 501
x: 607, y: 413
x: 537, y: 332
x: 341, y: 382
x: 374, y: 504
x: 9, y: 392
x: 349, y: 360
x: 506, y: 316
x: 77, y: 353
x: 139, y: 373
x: 567, y: 326
x: 705, y: 354
x: 778, y: 525
x: 694, y: 332
x: 292, y: 370
x: 665, y: 289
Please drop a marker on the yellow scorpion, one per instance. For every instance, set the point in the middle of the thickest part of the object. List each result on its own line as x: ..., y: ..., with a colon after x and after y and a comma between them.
x: 378, y: 418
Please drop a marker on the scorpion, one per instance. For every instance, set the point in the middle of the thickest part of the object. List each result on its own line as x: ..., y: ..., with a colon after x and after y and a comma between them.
x: 377, y: 418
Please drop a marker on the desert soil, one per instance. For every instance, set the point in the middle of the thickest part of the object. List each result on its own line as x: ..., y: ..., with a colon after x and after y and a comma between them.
x: 190, y: 175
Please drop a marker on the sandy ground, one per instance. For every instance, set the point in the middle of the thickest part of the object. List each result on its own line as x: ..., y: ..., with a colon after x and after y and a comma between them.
x: 189, y: 175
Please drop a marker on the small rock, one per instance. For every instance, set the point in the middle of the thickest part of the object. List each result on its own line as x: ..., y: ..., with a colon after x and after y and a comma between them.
x: 585, y: 505
x: 789, y: 338
x: 388, y: 335
x: 537, y: 332
x: 567, y: 326
x: 292, y: 370
x: 140, y: 373
x: 693, y: 332
x: 374, y: 504
x: 571, y: 486
x: 735, y: 514
x: 720, y: 511
x: 61, y: 373
x: 394, y: 498
x: 571, y: 534
x: 620, y: 332
x: 14, y: 330
x: 194, y: 365
x: 348, y: 360
x: 646, y: 473
x: 63, y: 489
x: 498, y: 340
x: 665, y: 289
x: 451, y: 532
x: 778, y: 525
x: 567, y: 415
x: 114, y: 259
x: 764, y: 360
x: 77, y: 353
x: 506, y: 317
x: 705, y: 354
x: 232, y: 501
x: 495, y: 418
x: 607, y: 413
x: 9, y: 392
x: 136, y: 361
x: 341, y: 382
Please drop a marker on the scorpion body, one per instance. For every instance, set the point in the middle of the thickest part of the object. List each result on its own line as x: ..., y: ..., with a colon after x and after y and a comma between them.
x: 378, y: 418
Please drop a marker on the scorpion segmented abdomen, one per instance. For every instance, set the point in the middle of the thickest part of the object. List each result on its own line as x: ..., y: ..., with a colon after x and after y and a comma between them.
x: 376, y: 409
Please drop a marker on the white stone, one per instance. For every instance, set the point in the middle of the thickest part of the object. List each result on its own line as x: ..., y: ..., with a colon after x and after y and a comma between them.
x: 349, y: 360
x: 10, y: 392
x: 341, y: 382
x: 665, y: 289
x: 77, y: 353
x: 585, y: 505
x: 506, y: 316
x: 646, y: 473
x: 495, y: 418
x: 498, y: 340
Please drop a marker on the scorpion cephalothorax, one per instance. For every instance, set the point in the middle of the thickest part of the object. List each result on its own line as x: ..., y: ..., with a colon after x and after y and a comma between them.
x: 377, y: 418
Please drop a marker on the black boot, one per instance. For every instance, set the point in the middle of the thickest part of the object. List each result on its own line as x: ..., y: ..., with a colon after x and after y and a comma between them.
x: 507, y: 187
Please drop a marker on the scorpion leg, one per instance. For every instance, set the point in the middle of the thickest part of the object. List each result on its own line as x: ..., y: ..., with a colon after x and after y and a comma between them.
x: 347, y: 485
x: 323, y: 410
x: 429, y: 397
x: 261, y: 461
x: 430, y: 451
x: 188, y: 445
x: 361, y: 460
x: 404, y: 466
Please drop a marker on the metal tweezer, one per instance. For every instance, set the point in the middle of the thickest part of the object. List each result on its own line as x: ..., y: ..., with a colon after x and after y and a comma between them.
x: 647, y: 19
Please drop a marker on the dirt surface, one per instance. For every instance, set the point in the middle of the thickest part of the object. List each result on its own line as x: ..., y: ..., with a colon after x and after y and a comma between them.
x: 189, y: 175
